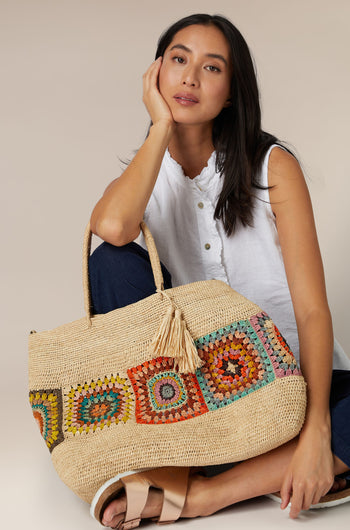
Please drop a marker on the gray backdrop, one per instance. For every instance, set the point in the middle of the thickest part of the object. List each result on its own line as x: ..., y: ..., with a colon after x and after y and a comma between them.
x: 70, y: 106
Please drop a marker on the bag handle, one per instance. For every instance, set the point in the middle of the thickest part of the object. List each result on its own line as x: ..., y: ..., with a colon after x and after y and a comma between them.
x: 173, y: 338
x: 154, y: 258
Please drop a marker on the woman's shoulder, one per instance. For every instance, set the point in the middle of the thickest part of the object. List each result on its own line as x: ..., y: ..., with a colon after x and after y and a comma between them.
x: 282, y: 166
x: 287, y: 185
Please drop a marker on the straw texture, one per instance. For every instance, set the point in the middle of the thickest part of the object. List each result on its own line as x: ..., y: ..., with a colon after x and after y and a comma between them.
x: 105, y: 405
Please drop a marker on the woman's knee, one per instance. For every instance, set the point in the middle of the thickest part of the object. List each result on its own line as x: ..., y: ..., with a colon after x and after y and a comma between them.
x: 109, y: 258
x: 120, y: 276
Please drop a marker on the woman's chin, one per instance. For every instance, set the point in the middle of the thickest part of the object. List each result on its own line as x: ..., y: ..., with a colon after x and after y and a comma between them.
x: 191, y: 121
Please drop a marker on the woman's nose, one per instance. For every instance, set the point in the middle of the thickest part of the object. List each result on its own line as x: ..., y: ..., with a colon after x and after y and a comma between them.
x: 190, y: 77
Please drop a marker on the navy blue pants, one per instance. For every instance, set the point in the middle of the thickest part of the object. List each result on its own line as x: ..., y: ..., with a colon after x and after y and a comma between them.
x: 120, y: 276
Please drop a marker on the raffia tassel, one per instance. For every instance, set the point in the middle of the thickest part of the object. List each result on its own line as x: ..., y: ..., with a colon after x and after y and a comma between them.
x: 160, y: 340
x: 189, y: 360
x: 174, y: 344
x: 174, y: 340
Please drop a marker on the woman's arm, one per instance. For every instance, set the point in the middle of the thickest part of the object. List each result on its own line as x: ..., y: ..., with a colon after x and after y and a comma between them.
x: 310, y: 474
x: 116, y: 217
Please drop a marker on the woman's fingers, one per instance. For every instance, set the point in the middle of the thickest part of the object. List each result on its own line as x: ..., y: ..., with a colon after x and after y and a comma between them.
x: 297, y: 503
x: 309, y: 495
x: 321, y: 491
x: 155, y: 71
x: 150, y: 77
x: 299, y: 494
x: 310, y: 472
x: 286, y: 491
x: 152, y: 98
x: 304, y: 496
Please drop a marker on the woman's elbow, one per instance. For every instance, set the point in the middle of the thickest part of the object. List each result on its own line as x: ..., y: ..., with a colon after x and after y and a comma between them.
x: 113, y: 231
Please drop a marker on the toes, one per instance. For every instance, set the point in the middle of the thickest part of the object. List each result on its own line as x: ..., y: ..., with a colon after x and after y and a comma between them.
x: 114, y: 512
x: 115, y: 521
x: 335, y: 487
x: 341, y: 483
x: 338, y: 485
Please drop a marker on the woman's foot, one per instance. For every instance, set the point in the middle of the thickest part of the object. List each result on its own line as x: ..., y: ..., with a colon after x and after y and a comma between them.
x: 198, y: 503
x: 115, y: 511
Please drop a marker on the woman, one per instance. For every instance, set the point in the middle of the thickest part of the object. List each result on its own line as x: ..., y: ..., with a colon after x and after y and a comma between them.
x: 223, y: 200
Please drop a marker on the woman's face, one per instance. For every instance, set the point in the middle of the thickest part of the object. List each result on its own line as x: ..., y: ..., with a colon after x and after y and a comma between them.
x: 195, y: 76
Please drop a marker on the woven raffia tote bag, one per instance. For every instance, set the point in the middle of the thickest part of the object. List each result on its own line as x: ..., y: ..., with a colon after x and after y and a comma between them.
x: 193, y: 375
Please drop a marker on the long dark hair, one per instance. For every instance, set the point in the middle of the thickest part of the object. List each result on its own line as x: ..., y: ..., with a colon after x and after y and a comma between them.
x: 239, y: 141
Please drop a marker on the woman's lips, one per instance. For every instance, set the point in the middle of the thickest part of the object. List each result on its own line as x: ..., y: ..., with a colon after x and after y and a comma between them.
x: 186, y: 99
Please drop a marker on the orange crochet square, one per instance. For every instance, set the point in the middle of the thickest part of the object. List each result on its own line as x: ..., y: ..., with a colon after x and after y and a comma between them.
x: 163, y: 395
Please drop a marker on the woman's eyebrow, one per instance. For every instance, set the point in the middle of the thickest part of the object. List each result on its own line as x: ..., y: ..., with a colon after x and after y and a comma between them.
x: 212, y: 55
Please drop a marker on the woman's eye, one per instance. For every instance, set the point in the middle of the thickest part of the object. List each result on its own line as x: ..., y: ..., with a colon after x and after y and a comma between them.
x: 212, y: 68
x: 179, y: 60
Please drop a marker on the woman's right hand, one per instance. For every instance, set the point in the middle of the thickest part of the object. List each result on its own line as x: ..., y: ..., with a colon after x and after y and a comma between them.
x: 156, y: 105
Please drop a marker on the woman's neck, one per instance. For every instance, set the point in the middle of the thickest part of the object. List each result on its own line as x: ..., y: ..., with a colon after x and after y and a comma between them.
x: 191, y: 147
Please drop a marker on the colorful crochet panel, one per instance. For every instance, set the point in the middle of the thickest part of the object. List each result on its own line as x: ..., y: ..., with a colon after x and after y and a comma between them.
x: 98, y: 404
x: 237, y: 360
x: 47, y: 412
x: 283, y: 360
x: 164, y: 396
x: 240, y: 359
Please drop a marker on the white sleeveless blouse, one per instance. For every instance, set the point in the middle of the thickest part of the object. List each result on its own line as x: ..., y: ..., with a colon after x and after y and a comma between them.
x: 193, y: 246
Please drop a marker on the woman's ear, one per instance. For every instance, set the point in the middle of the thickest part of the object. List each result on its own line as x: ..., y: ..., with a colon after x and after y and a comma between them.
x: 228, y: 103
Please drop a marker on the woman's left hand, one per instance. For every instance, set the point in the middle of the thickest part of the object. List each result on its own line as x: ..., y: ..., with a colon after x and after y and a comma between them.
x: 310, y: 473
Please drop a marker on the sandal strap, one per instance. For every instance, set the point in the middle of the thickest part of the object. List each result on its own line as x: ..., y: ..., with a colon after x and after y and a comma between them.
x: 136, y: 489
x: 174, y: 495
x: 172, y: 480
x: 107, y: 492
x: 129, y: 525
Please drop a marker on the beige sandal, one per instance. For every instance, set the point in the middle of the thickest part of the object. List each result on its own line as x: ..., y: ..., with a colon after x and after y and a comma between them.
x: 172, y: 480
